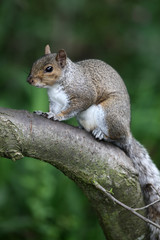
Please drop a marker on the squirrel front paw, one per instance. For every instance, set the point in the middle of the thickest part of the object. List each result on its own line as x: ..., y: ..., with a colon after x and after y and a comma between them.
x: 40, y: 113
x: 48, y: 115
x: 51, y: 115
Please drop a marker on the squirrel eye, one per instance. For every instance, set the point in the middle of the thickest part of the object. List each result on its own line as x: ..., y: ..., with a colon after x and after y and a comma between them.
x: 49, y: 69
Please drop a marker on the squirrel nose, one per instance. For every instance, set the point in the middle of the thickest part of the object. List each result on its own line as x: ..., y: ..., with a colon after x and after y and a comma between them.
x: 30, y: 79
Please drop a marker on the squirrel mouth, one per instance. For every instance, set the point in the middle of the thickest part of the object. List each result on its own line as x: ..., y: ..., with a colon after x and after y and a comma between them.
x: 35, y: 82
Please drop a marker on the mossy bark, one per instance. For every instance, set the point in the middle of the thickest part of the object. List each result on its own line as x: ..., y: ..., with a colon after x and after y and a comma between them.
x: 83, y: 159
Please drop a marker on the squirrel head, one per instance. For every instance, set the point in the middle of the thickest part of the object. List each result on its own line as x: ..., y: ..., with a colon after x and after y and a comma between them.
x: 46, y: 71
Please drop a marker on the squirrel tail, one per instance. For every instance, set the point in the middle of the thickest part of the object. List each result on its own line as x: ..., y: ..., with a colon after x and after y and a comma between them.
x: 149, y: 178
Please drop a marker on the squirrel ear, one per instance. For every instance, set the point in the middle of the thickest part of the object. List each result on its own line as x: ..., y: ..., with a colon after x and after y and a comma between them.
x: 47, y: 49
x: 61, y: 58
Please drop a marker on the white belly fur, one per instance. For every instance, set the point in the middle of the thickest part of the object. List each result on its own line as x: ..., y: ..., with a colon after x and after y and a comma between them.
x: 93, y: 118
x: 58, y: 99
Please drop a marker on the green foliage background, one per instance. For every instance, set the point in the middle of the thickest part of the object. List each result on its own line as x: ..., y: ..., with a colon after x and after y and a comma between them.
x: 36, y: 200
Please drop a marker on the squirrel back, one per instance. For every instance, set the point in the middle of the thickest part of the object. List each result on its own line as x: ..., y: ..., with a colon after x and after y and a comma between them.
x: 94, y: 92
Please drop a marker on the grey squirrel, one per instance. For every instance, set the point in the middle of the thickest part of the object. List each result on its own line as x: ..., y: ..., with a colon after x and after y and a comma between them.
x: 94, y: 92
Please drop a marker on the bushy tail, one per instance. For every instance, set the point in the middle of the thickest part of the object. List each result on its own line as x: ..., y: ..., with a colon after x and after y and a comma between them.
x: 149, y: 178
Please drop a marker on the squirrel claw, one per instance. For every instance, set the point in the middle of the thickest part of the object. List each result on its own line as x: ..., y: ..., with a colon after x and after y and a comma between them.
x: 40, y: 113
x: 97, y: 133
x: 44, y: 114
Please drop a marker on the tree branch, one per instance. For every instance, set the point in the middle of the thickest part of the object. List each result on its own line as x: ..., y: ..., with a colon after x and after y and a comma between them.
x: 98, y: 186
x: 83, y: 159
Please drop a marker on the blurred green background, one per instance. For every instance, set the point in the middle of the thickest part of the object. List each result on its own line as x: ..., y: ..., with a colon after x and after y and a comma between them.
x: 36, y: 200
